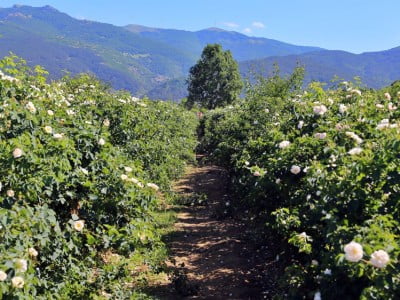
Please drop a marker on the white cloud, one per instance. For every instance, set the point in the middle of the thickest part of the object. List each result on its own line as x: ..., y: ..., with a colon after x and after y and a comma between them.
x: 256, y: 24
x: 247, y: 30
x: 230, y: 24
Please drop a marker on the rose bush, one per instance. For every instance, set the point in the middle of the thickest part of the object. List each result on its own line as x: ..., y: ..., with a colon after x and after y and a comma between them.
x: 328, y: 184
x: 64, y: 205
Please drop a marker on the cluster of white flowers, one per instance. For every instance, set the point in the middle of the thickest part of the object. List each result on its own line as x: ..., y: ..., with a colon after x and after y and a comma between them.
x: 125, y: 177
x: 354, y: 253
x: 31, y: 107
x: 7, y: 77
x: 383, y: 124
x: 354, y: 136
x: 320, y: 110
x: 70, y: 112
x: 284, y: 144
x: 320, y: 135
x: 387, y: 96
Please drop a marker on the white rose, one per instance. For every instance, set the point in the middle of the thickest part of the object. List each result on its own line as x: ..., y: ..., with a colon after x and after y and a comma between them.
x: 106, y: 122
x: 379, y: 259
x: 31, y: 107
x: 17, y: 282
x: 128, y: 169
x: 153, y: 186
x: 295, y: 169
x: 21, y: 265
x: 256, y: 173
x: 320, y: 135
x: 284, y: 144
x: 3, y: 275
x: 134, y: 180
x: 50, y: 112
x: 353, y: 252
x: 124, y: 177
x: 33, y: 252
x: 387, y: 96
x: 300, y: 125
x: 48, y: 129
x: 320, y: 110
x: 17, y: 152
x: 10, y: 193
x: 101, y: 142
x: 355, y: 151
x: 58, y: 136
x: 342, y: 108
x: 78, y: 225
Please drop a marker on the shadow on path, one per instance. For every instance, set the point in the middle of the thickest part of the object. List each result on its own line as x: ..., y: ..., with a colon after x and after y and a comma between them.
x: 216, y: 256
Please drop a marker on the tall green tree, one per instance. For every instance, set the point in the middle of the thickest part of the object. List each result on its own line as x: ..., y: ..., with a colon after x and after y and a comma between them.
x: 214, y: 81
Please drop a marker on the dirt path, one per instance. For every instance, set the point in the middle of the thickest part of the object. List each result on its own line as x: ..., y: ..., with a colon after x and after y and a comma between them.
x: 214, y: 253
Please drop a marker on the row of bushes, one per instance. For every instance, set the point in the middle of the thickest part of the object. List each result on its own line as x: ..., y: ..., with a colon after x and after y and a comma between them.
x: 80, y: 171
x: 320, y: 169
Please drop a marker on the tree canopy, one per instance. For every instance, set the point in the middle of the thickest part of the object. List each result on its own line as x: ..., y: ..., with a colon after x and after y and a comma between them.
x: 214, y: 80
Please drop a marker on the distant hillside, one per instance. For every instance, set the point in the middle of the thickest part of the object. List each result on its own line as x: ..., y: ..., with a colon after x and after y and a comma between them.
x: 376, y: 69
x: 142, y: 60
x: 155, y: 62
x: 59, y: 42
x: 242, y: 46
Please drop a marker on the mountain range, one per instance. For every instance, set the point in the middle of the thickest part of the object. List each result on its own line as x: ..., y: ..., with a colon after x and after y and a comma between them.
x: 155, y: 62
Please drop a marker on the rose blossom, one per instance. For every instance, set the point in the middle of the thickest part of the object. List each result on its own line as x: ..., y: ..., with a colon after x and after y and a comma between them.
x: 295, y: 169
x: 78, y: 225
x: 353, y: 252
x: 379, y: 259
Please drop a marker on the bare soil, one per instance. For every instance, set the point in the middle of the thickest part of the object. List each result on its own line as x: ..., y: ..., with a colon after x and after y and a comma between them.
x: 212, y: 252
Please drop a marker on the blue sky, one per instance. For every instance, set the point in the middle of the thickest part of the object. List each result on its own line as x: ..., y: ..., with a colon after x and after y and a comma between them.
x: 351, y: 25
